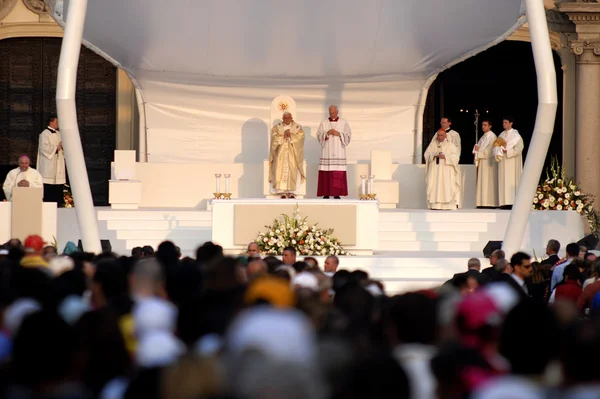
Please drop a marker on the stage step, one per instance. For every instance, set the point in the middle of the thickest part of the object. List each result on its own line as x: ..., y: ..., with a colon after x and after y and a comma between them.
x: 155, y: 215
x: 427, y: 236
x: 424, y: 246
x: 186, y: 244
x: 459, y: 227
x: 437, y: 216
x: 173, y: 235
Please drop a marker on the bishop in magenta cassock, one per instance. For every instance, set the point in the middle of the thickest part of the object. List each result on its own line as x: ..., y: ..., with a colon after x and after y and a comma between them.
x: 334, y: 136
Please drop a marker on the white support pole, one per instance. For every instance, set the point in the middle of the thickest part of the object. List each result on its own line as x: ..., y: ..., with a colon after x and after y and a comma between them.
x: 544, y: 126
x: 67, y: 116
x: 142, y: 131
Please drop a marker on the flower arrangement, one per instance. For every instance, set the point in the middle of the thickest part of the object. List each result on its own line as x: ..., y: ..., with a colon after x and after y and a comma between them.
x: 295, y: 232
x: 68, y: 197
x: 562, y: 194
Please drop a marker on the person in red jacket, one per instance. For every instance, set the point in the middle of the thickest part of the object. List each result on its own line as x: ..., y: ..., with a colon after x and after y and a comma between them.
x: 570, y: 289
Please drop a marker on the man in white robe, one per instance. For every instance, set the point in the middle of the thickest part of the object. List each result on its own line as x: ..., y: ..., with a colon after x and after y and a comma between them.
x: 487, y: 171
x: 286, y: 157
x: 510, y: 163
x: 23, y: 176
x: 51, y: 162
x: 334, y: 136
x: 451, y: 135
x: 443, y: 186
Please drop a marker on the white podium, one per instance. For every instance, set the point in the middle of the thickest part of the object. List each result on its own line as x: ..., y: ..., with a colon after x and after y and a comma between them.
x: 124, y: 192
x: 387, y: 190
x: 28, y: 215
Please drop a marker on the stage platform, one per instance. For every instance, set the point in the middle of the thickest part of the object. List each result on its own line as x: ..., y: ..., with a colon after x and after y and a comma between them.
x: 415, y: 248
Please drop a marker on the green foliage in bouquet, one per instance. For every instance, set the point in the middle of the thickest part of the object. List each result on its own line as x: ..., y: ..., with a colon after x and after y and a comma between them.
x: 294, y: 231
x: 559, y: 193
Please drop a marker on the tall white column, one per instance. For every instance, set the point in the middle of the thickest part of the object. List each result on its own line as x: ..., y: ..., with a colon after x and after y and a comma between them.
x: 544, y: 125
x: 67, y: 115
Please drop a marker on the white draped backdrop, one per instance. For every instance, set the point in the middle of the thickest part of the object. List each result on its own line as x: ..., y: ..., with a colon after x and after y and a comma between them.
x: 209, y: 69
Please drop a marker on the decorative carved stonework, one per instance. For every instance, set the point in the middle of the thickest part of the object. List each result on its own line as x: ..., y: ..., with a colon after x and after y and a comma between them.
x: 37, y: 6
x: 586, y: 52
x: 5, y: 7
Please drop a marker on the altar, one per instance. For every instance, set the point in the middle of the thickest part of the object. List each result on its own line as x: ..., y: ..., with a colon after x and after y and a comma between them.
x: 237, y: 222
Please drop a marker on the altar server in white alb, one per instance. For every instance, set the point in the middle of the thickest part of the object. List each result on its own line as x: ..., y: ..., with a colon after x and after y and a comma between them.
x: 487, y: 170
x: 23, y: 176
x: 334, y: 136
x: 51, y: 162
x: 443, y: 186
x: 508, y: 152
x: 451, y: 135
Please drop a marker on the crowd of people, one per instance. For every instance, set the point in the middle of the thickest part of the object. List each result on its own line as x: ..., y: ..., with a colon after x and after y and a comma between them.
x: 154, y: 325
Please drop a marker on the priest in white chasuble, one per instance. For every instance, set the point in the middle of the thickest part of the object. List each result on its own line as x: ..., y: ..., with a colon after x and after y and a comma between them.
x: 334, y: 135
x: 286, y: 157
x: 487, y: 170
x: 443, y: 186
x: 508, y: 152
x: 23, y: 176
x: 451, y: 135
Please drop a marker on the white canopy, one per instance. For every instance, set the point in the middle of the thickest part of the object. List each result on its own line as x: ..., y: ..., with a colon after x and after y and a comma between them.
x: 208, y: 68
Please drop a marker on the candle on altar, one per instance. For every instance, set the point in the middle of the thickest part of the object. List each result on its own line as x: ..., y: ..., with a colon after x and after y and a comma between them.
x: 218, y: 183
x: 371, y: 184
x: 227, y: 184
x: 363, y: 188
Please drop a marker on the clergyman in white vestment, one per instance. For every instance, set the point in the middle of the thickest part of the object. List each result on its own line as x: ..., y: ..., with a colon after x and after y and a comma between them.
x: 23, y: 176
x: 286, y: 157
x: 510, y: 163
x: 443, y: 186
x: 451, y: 135
x: 51, y: 162
x: 334, y: 136
x: 487, y: 171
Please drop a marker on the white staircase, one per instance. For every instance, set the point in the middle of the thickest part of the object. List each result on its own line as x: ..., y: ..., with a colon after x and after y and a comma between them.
x: 136, y: 228
x: 448, y: 231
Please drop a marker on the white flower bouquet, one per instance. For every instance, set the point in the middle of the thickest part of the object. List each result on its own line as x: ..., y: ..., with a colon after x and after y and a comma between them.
x: 294, y: 231
x: 558, y: 193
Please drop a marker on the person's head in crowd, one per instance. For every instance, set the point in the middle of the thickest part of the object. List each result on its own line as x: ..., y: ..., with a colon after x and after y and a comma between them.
x: 100, y: 340
x: 529, y: 357
x: 70, y: 283
x: 49, y: 252
x: 572, y: 250
x: 360, y: 276
x: 271, y: 291
x: 325, y: 286
x: 380, y: 376
x: 109, y: 283
x: 496, y: 255
x: 84, y: 261
x: 285, y: 272
x: 60, y: 264
x: 591, y: 258
x: 167, y: 254
x: 253, y: 250
x: 306, y: 280
x: 289, y: 256
x: 552, y: 247
x: 503, y: 266
x: 256, y: 268
x: 147, y: 279
x: 178, y: 251
x: 412, y: 319
x: 147, y: 251
x: 299, y: 267
x: 356, y: 303
x: 33, y: 248
x: 521, y: 265
x: 273, y: 263
x: 32, y: 283
x: 312, y: 263
x: 582, y: 252
x: 183, y: 281
x: 465, y: 284
x: 43, y: 353
x: 136, y: 252
x: 208, y: 252
x: 331, y: 265
x: 224, y: 274
x: 478, y: 321
x: 340, y: 278
x: 14, y: 243
x: 208, y: 381
x: 572, y: 271
x: 474, y: 264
